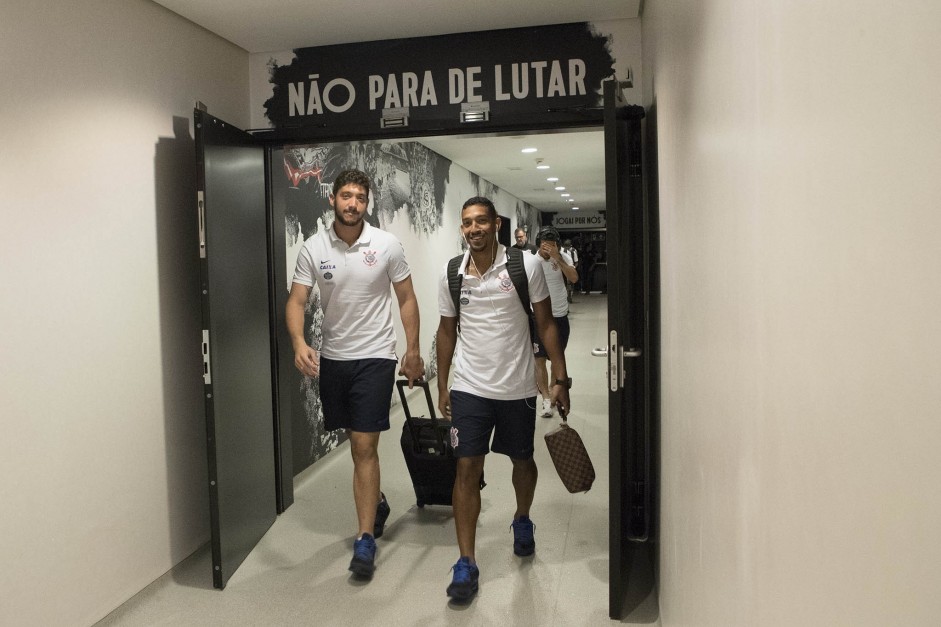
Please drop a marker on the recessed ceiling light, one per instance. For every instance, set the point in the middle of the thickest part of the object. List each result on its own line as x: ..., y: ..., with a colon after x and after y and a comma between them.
x: 542, y: 167
x: 559, y: 188
x: 528, y: 150
x: 565, y: 195
x: 574, y: 208
x: 552, y: 179
x: 571, y: 200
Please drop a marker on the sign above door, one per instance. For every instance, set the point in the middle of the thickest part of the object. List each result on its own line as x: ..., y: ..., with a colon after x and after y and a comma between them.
x: 546, y: 75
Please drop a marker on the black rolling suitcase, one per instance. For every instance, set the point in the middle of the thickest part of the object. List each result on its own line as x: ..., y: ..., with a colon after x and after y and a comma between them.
x: 426, y: 445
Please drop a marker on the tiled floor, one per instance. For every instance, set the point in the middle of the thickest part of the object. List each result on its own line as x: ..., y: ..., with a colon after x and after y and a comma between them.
x: 298, y: 574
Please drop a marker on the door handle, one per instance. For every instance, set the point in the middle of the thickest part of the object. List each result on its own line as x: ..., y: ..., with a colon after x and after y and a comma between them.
x: 616, y: 354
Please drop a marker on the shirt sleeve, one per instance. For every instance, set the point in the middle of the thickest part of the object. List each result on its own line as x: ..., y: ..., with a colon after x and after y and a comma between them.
x: 538, y: 290
x: 398, y: 266
x: 303, y: 269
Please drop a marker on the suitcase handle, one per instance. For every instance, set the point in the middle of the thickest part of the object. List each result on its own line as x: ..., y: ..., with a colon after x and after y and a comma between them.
x: 401, y: 384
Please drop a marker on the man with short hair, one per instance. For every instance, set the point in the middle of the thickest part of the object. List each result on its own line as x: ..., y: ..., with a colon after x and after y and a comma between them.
x: 522, y: 241
x: 487, y: 399
x: 559, y: 270
x: 353, y: 264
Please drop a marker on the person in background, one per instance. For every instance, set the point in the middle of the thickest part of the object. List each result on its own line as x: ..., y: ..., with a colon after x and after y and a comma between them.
x: 589, y: 258
x: 569, y: 249
x: 560, y: 272
x: 522, y: 242
x: 354, y: 264
x: 487, y: 400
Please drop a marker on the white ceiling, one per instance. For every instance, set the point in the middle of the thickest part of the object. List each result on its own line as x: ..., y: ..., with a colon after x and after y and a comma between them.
x: 575, y: 157
x: 277, y: 25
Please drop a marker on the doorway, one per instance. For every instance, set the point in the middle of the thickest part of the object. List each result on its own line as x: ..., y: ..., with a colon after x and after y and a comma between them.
x: 567, y: 138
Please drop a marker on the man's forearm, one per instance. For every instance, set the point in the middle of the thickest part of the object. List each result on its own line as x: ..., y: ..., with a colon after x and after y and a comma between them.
x: 412, y: 326
x: 444, y: 352
x: 570, y: 273
x: 294, y: 320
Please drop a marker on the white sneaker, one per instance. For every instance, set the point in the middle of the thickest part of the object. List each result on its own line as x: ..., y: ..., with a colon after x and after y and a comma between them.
x: 546, y: 408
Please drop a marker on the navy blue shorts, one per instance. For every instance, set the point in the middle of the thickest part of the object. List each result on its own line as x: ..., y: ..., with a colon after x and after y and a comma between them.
x: 357, y: 394
x: 563, y: 325
x: 474, y: 419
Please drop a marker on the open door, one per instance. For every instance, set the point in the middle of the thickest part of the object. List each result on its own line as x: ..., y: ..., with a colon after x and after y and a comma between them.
x: 505, y: 236
x: 629, y: 358
x: 237, y: 346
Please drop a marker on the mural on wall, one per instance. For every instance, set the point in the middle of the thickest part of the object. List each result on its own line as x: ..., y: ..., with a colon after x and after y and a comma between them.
x: 408, y: 181
x: 410, y: 187
x: 406, y: 176
x: 528, y: 219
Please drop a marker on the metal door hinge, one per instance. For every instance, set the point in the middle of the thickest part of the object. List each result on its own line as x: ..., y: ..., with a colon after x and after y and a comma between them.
x: 201, y: 209
x: 207, y: 375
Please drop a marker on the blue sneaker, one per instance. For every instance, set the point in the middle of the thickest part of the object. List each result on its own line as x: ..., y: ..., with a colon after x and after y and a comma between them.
x: 364, y: 556
x: 524, y: 542
x: 382, y: 513
x: 464, y: 585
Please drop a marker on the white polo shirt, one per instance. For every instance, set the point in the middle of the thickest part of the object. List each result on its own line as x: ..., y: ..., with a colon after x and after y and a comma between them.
x: 355, y: 290
x: 556, y: 282
x: 494, y: 353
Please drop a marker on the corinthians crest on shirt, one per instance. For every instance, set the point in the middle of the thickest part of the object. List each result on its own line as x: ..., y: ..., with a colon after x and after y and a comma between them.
x: 506, y: 284
x: 370, y: 257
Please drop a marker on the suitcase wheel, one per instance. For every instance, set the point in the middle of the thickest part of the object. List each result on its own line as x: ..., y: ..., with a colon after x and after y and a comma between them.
x: 420, y: 504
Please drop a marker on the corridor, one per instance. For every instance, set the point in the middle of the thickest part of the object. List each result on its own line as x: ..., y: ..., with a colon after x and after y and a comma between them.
x: 297, y: 575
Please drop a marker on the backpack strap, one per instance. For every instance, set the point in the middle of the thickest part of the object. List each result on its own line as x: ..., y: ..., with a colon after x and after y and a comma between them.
x: 515, y: 268
x: 455, y: 279
x: 517, y: 271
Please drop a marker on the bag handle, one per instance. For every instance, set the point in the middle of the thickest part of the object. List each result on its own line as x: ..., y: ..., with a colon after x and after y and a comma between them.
x: 422, y: 383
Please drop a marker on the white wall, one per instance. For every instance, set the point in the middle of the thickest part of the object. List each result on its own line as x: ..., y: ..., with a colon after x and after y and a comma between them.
x: 102, y: 450
x: 799, y: 188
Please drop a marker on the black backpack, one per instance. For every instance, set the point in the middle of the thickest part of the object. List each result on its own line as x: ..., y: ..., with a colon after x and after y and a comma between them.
x: 514, y: 267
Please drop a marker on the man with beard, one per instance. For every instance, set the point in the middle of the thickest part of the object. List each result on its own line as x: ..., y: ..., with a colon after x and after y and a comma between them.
x: 353, y: 264
x: 489, y: 397
x: 522, y: 242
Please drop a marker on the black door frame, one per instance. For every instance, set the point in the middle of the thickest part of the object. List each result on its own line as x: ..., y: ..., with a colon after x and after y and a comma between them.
x: 271, y: 138
x: 630, y: 361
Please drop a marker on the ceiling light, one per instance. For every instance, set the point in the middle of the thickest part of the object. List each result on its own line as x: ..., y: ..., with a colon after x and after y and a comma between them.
x: 565, y: 195
x: 542, y: 167
x: 560, y: 188
x: 571, y: 200
x: 528, y: 150
x: 574, y: 208
x: 552, y: 179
